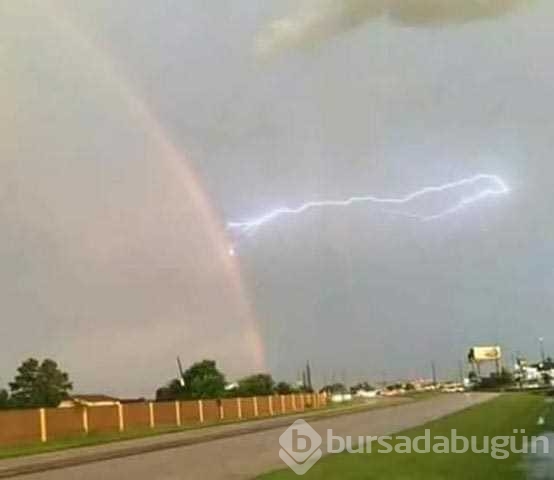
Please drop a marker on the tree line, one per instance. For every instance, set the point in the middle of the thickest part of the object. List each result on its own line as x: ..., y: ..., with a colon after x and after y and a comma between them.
x: 41, y: 384
x: 203, y: 380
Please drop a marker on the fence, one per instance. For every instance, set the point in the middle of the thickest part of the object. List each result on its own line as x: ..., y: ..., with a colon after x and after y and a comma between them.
x: 45, y: 424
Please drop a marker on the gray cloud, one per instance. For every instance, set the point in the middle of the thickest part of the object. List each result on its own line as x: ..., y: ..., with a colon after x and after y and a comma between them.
x: 321, y: 19
x: 106, y: 264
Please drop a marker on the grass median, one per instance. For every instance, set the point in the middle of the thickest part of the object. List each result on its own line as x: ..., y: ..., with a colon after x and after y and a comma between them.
x: 499, y: 417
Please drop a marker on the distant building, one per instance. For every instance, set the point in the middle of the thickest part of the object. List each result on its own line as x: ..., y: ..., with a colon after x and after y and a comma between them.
x: 89, y: 401
x: 363, y: 393
x: 341, y: 397
x: 231, y: 387
x: 424, y: 384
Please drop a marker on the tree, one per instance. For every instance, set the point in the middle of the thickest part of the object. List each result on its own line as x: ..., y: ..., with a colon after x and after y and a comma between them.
x: 365, y: 386
x: 334, y: 388
x: 283, y: 388
x: 548, y: 364
x: 39, y: 384
x: 505, y: 377
x: 4, y: 399
x: 394, y: 386
x: 174, y: 390
x: 258, y: 384
x: 497, y: 380
x: 201, y: 380
x: 204, y: 380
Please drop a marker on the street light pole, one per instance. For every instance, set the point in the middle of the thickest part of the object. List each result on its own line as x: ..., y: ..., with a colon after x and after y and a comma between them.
x: 541, y: 344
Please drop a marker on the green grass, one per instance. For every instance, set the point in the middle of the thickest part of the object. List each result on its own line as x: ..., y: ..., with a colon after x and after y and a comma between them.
x: 110, y: 437
x: 497, y: 417
x: 82, y: 441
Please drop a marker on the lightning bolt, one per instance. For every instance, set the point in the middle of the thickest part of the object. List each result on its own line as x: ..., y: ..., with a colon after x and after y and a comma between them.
x: 495, y: 186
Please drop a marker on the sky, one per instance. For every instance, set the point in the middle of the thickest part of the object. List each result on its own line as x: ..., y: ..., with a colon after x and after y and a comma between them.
x: 133, y: 132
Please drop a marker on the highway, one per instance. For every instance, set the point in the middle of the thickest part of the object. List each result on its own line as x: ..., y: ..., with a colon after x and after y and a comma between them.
x: 248, y: 452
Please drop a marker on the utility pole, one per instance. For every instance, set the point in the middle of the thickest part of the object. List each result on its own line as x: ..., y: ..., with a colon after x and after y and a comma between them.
x: 181, y: 374
x: 434, y: 372
x: 541, y: 345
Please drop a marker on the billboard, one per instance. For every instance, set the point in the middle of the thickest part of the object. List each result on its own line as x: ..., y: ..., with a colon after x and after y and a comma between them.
x: 485, y: 354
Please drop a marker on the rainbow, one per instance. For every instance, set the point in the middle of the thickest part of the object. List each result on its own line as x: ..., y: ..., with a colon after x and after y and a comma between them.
x: 212, y: 229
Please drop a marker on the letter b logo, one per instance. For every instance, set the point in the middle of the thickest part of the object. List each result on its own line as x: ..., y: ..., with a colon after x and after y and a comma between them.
x: 300, y: 447
x: 300, y: 443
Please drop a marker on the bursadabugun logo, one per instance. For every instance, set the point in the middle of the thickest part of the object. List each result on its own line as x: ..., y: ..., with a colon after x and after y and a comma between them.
x: 300, y: 447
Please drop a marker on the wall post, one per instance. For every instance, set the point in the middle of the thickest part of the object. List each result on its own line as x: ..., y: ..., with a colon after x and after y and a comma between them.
x: 120, y: 417
x: 201, y: 411
x: 270, y: 403
x: 177, y: 413
x: 151, y: 413
x: 255, y: 400
x: 85, y: 420
x: 283, y: 407
x: 239, y: 408
x: 42, y: 419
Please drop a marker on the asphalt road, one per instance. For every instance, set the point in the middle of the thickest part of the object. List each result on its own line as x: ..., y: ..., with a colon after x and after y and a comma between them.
x: 247, y: 455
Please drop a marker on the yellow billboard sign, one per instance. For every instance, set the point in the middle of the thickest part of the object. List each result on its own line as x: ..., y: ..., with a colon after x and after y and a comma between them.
x: 485, y: 354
